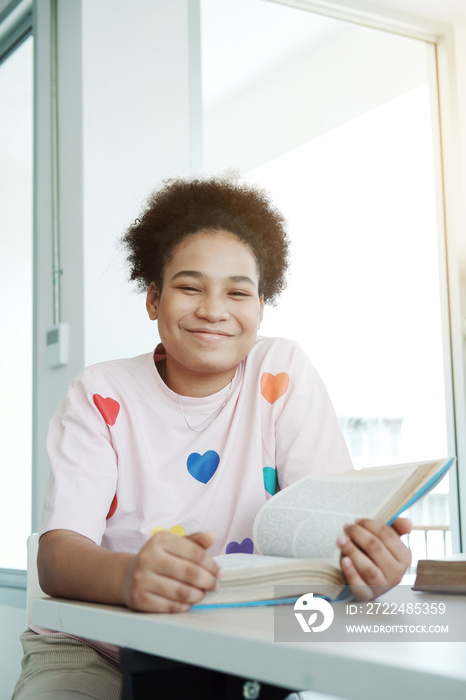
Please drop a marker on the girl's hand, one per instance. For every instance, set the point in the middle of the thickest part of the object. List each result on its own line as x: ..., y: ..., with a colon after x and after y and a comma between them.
x: 171, y: 573
x: 374, y: 558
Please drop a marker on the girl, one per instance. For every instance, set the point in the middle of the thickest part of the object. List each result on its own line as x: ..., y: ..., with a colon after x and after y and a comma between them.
x: 159, y: 462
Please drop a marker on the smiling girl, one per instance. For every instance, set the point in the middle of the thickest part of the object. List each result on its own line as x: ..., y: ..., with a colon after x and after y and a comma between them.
x: 162, y: 461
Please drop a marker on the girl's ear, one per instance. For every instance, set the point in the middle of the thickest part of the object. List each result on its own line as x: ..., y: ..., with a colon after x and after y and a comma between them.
x: 152, y: 302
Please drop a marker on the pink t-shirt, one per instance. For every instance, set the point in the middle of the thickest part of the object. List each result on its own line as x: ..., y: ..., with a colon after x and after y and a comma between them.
x: 124, y: 461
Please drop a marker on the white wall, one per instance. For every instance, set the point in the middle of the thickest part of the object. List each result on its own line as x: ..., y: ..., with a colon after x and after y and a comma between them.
x: 51, y: 384
x: 135, y: 132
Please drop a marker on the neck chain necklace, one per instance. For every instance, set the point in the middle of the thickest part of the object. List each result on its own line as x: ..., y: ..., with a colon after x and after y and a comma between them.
x: 200, y: 430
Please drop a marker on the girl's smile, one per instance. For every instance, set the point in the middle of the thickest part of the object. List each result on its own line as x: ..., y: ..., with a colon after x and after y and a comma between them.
x: 208, y: 335
x: 208, y: 311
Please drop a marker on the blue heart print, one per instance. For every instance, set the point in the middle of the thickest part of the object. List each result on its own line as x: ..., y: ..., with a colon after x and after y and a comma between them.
x: 203, y: 467
x: 270, y: 480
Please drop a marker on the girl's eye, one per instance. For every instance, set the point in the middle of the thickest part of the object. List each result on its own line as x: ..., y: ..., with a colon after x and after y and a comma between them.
x: 239, y: 294
x: 187, y: 288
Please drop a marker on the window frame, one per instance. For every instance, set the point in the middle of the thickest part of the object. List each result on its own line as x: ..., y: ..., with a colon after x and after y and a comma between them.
x: 16, y: 25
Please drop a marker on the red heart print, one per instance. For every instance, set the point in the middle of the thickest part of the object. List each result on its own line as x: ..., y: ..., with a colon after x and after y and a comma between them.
x: 113, y: 507
x: 274, y: 386
x: 109, y: 408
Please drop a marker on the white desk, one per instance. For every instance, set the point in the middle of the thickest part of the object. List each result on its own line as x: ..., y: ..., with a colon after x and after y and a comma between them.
x: 240, y: 642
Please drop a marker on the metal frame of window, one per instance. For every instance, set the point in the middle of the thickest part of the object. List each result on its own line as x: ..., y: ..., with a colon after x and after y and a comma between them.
x: 15, y: 26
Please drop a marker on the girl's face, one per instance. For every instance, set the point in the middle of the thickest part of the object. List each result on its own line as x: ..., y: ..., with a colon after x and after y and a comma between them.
x: 208, y: 312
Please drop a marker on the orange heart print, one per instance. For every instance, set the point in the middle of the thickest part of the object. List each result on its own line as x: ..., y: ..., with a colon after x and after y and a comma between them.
x: 273, y: 386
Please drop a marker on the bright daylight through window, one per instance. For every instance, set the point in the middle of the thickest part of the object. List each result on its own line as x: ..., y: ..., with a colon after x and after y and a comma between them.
x: 339, y: 123
x: 16, y: 134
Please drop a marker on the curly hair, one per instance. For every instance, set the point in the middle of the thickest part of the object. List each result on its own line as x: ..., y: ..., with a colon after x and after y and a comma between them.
x: 186, y: 206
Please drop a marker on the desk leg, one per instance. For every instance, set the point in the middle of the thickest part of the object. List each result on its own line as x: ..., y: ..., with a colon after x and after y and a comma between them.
x: 147, y: 677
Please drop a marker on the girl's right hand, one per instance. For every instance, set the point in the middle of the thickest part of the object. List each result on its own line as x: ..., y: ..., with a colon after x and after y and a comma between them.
x: 171, y: 573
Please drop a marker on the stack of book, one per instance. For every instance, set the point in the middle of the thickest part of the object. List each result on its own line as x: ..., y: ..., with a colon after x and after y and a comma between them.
x: 442, y: 575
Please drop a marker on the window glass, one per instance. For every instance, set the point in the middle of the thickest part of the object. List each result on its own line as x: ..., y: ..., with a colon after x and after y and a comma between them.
x: 336, y: 121
x: 16, y: 162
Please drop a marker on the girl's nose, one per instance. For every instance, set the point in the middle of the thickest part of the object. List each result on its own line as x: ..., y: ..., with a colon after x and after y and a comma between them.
x: 213, y: 308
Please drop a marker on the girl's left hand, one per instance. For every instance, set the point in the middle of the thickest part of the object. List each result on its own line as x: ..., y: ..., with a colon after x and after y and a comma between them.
x: 374, y: 558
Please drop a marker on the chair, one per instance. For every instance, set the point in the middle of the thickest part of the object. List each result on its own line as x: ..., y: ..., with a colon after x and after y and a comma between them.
x: 33, y: 587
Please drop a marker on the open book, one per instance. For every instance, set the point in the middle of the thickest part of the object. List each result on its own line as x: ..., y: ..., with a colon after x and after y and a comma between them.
x: 295, y: 531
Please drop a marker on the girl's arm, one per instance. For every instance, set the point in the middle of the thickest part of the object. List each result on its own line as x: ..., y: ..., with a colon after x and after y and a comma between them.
x: 169, y: 574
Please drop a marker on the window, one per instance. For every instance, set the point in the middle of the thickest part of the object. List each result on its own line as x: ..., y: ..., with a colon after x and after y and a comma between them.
x: 16, y: 250
x: 338, y: 122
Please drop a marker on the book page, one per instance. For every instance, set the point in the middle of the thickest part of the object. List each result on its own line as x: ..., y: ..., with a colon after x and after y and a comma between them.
x: 306, y: 518
x: 239, y: 560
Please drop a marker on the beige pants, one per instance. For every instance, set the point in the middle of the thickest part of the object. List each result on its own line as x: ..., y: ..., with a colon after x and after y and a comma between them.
x: 57, y: 667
